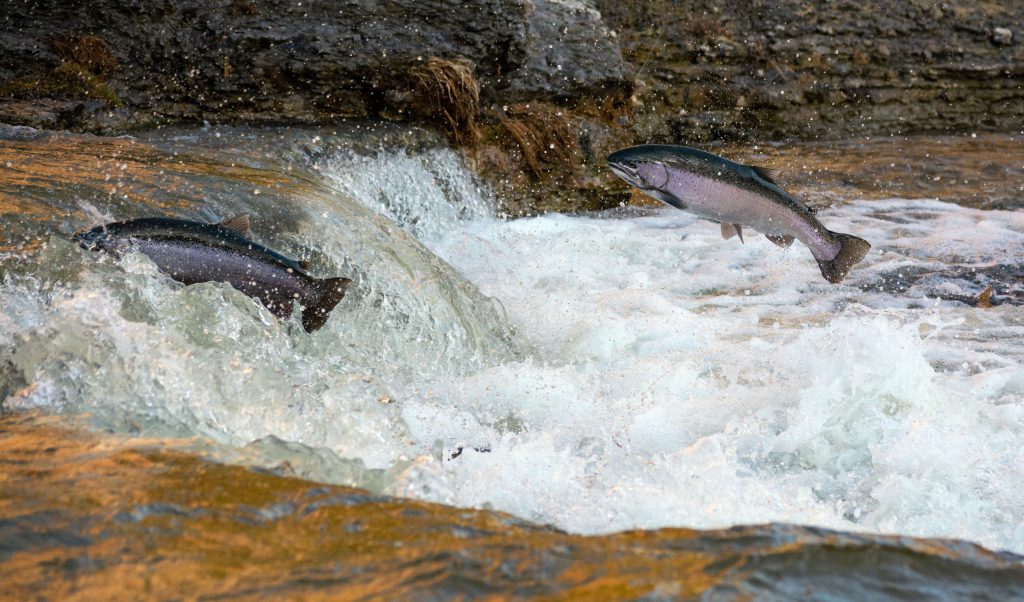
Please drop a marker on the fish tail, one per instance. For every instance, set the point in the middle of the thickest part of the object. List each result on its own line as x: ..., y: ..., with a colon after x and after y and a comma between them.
x: 851, y: 250
x: 328, y: 292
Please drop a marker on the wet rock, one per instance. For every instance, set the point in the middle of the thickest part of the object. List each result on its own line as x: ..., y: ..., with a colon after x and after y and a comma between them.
x: 916, y: 52
x: 286, y: 61
x: 983, y: 287
x: 569, y: 52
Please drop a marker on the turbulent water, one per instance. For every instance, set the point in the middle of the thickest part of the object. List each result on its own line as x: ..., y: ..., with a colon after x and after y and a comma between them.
x: 681, y: 379
x: 595, y: 372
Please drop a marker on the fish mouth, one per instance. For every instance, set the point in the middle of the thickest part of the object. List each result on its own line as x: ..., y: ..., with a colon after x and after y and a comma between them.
x: 90, y: 240
x: 625, y: 172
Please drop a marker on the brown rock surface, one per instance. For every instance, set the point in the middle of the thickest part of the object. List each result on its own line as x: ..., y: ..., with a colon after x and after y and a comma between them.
x: 283, y: 61
x: 717, y: 70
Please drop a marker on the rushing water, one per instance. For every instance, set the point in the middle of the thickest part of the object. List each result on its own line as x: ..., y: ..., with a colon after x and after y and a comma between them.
x: 595, y: 372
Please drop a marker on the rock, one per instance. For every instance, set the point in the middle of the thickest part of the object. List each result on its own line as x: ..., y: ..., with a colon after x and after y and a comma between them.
x: 569, y: 52
x: 848, y: 50
x: 281, y: 60
x: 1002, y: 36
x: 266, y: 56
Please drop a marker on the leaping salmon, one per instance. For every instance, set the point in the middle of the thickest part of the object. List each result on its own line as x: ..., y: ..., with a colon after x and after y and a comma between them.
x: 192, y: 252
x: 735, y: 195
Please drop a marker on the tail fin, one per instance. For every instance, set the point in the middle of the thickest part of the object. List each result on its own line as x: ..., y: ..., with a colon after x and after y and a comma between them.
x: 328, y: 292
x: 851, y: 250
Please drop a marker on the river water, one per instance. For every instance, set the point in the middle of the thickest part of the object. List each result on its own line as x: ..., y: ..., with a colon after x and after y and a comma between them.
x: 598, y: 373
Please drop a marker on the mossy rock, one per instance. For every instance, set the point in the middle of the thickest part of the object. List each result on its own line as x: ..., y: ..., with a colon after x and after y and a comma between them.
x: 67, y: 80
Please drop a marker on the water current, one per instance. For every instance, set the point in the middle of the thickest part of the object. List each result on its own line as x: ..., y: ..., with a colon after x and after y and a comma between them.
x: 595, y: 372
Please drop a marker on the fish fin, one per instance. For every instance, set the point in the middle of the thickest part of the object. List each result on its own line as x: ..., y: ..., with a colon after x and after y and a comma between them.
x: 739, y: 232
x: 783, y: 240
x: 303, y: 263
x: 768, y: 174
x: 984, y: 299
x: 728, y: 231
x: 280, y: 305
x: 851, y: 250
x: 329, y: 292
x: 239, y: 223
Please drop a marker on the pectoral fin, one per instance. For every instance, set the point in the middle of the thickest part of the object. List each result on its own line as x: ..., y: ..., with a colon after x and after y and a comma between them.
x: 730, y: 230
x: 783, y: 240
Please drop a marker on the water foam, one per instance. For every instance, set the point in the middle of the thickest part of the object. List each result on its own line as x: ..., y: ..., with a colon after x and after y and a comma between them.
x: 672, y: 378
x: 426, y: 193
x: 82, y: 332
x: 686, y: 380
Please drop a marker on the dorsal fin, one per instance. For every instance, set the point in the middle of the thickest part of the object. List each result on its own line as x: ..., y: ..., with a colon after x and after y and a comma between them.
x: 768, y: 174
x: 239, y: 223
x: 984, y: 300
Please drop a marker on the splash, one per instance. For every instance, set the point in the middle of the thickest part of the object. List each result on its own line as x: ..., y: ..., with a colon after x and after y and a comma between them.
x: 121, y: 341
x: 682, y: 379
x: 668, y: 378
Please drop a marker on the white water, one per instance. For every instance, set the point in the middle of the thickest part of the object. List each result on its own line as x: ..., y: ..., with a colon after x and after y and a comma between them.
x: 690, y: 381
x: 426, y: 193
x: 678, y: 379
x: 671, y: 378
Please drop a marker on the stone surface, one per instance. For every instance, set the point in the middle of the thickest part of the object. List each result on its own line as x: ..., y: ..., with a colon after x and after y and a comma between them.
x: 569, y: 50
x: 719, y: 70
x: 1002, y: 36
x: 286, y: 61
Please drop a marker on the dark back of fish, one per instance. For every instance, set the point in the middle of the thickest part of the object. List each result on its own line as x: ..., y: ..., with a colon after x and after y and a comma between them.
x: 193, y: 252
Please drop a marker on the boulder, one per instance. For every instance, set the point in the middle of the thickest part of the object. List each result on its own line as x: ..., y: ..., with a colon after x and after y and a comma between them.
x: 569, y: 51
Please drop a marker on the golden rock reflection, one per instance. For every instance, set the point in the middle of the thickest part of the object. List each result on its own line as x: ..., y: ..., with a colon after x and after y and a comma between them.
x: 87, y: 517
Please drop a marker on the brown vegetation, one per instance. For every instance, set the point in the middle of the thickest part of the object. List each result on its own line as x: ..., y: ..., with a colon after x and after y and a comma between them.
x: 91, y: 52
x: 67, y: 80
x: 85, y: 60
x: 545, y: 137
x: 446, y: 93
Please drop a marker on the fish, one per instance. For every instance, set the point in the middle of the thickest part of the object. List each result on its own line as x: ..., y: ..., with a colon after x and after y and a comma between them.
x: 192, y: 252
x: 736, y: 196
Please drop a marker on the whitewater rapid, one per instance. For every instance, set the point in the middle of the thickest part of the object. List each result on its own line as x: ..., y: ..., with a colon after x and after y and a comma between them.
x: 655, y: 374
x: 686, y: 380
x: 677, y: 379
